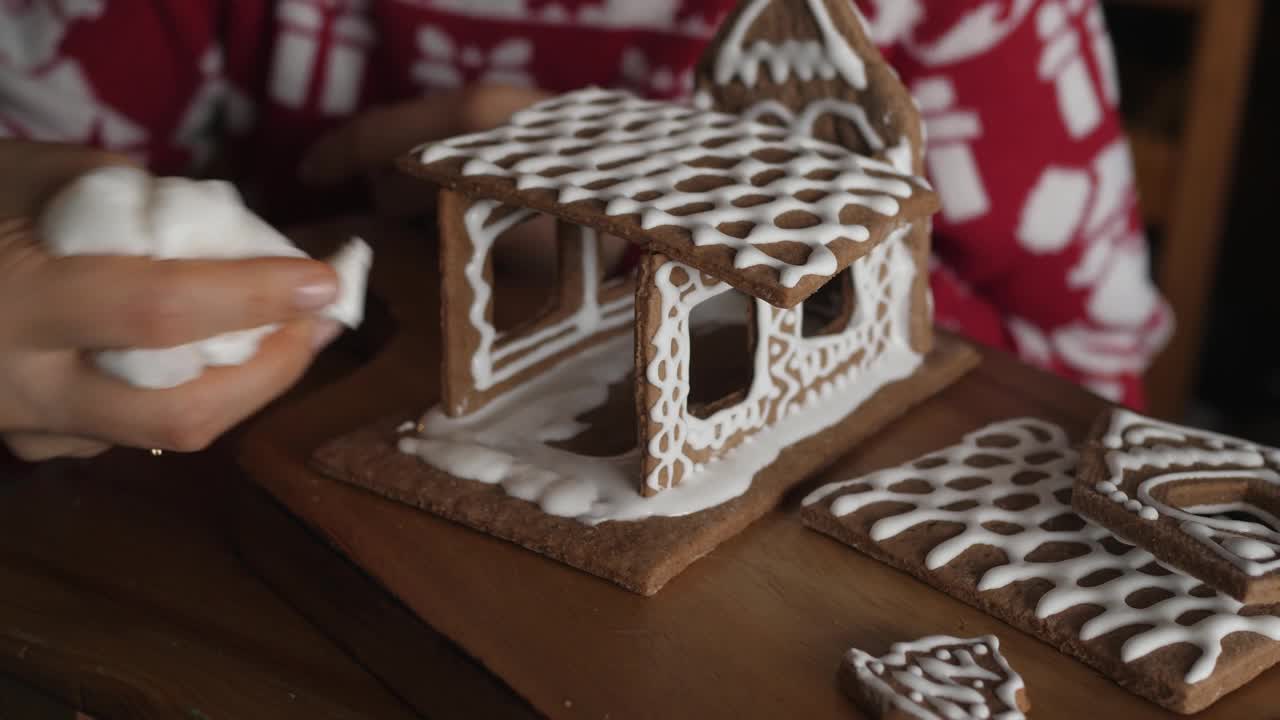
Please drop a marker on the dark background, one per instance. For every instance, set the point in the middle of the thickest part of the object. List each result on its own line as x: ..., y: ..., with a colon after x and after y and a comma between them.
x: 1237, y: 386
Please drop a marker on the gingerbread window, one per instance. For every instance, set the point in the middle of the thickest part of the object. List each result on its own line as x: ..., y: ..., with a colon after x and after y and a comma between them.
x: 830, y: 310
x: 484, y: 357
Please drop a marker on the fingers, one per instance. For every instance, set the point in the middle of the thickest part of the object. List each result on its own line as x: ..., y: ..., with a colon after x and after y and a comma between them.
x: 137, y: 302
x: 377, y: 137
x: 190, y: 417
x: 36, y: 447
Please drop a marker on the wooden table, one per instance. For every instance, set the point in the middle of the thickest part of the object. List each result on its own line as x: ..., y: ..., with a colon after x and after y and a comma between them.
x: 128, y: 585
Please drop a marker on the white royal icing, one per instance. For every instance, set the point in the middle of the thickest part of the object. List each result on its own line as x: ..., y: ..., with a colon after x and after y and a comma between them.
x: 1038, y: 446
x: 1124, y: 441
x: 495, y: 362
x: 792, y: 373
x: 805, y: 59
x: 125, y: 211
x: 945, y: 686
x: 612, y: 147
x: 505, y: 443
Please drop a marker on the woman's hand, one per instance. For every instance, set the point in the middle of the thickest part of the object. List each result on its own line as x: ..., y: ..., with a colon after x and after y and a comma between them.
x: 54, y: 311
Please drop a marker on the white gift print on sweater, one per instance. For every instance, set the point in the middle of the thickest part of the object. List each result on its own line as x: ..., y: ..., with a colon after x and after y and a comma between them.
x: 1063, y: 63
x: 304, y: 32
x: 653, y: 81
x: 1066, y: 200
x: 32, y: 32
x: 506, y: 9
x: 649, y: 14
x: 58, y: 105
x: 44, y: 97
x: 952, y: 165
x: 890, y: 20
x: 974, y: 34
x: 445, y: 66
x: 1095, y: 206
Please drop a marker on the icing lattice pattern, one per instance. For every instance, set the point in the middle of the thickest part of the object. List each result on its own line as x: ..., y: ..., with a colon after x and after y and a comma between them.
x: 792, y: 372
x: 1008, y: 486
x: 943, y: 678
x: 725, y: 180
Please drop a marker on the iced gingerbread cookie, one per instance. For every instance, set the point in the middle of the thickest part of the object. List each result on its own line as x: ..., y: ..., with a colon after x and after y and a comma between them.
x: 1204, y: 503
x: 989, y: 522
x: 936, y: 678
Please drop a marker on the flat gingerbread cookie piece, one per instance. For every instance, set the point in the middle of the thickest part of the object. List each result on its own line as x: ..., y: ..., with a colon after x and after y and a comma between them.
x: 936, y: 678
x: 1204, y: 503
x: 989, y: 522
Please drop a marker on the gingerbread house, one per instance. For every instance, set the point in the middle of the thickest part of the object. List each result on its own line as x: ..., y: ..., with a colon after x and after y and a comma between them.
x: 786, y: 197
x: 717, y: 204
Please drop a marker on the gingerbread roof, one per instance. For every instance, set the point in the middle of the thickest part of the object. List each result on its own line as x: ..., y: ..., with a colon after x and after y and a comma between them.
x: 774, y: 214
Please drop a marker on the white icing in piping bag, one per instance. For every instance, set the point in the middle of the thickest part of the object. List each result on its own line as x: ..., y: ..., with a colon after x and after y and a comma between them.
x: 126, y: 211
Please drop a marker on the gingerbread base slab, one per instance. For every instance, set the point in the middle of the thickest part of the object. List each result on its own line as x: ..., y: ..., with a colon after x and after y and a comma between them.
x: 641, y: 555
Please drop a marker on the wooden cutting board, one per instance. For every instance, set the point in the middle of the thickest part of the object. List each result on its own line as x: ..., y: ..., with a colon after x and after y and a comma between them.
x: 755, y: 629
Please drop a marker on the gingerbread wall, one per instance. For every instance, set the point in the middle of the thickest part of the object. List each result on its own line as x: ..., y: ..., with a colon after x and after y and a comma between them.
x: 480, y: 363
x: 793, y: 372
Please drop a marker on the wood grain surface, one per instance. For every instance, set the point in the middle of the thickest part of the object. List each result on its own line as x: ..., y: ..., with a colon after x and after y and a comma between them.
x: 120, y: 595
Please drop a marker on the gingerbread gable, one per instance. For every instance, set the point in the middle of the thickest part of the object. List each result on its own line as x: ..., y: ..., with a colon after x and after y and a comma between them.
x: 809, y: 66
x: 773, y: 214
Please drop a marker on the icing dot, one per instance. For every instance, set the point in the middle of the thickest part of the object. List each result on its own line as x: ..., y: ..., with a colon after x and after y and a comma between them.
x: 916, y: 697
x: 1119, y: 496
x: 1148, y: 513
x: 1106, y: 487
x: 1133, y: 506
x: 915, y: 670
x: 980, y: 650
x: 981, y: 712
x: 877, y: 667
x: 943, y: 655
x: 979, y: 684
x: 1249, y: 549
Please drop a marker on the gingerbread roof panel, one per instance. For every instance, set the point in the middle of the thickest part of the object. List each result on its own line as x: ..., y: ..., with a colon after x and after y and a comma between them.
x: 774, y: 214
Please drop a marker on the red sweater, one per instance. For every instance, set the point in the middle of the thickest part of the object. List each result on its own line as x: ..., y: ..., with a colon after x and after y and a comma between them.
x: 1039, y: 247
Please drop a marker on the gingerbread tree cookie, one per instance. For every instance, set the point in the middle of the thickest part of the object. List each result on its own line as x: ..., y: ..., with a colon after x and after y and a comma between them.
x: 989, y: 522
x: 936, y: 678
x: 1205, y: 503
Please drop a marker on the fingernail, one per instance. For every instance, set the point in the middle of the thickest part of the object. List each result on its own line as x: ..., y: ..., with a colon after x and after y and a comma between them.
x: 315, y: 295
x: 326, y: 331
